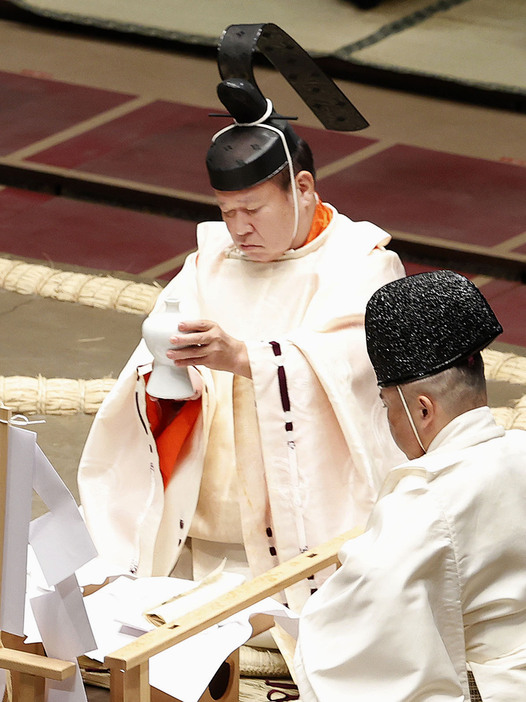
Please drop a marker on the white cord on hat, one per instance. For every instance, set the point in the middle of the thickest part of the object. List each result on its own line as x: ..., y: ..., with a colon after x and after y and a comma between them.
x: 259, y: 123
x: 411, y: 422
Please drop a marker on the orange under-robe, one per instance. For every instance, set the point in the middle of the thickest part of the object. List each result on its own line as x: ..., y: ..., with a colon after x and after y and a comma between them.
x: 171, y: 424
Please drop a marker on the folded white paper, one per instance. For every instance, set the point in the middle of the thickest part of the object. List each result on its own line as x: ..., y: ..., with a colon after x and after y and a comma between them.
x: 63, y: 622
x: 116, y: 613
x: 66, y: 634
x: 59, y: 538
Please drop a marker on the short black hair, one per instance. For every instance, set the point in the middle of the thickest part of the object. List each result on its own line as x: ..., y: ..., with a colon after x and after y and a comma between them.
x: 302, y: 160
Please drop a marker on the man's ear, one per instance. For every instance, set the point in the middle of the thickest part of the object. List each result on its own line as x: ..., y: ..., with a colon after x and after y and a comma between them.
x: 426, y: 409
x: 305, y: 182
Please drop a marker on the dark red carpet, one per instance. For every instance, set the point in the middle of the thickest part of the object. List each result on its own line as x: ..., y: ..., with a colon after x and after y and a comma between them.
x: 404, y: 188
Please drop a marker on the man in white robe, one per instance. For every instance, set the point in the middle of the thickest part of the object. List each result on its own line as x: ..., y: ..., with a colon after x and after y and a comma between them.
x: 288, y: 446
x: 430, y: 602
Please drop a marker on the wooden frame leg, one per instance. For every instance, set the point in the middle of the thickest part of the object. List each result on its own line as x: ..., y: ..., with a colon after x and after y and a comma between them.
x: 30, y: 688
x: 130, y: 686
x: 224, y: 686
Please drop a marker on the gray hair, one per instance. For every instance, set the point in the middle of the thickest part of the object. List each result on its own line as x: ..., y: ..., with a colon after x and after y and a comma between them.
x: 459, y: 388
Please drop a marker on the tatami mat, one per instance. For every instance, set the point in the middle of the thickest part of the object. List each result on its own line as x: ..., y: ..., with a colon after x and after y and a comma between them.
x: 472, y: 42
x: 202, y: 21
x: 477, y: 42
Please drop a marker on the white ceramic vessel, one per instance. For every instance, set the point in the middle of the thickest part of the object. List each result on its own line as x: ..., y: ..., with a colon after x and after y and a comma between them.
x: 166, y: 381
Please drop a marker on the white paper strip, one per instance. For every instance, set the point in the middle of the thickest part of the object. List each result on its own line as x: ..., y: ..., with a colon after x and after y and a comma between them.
x: 20, y: 464
x: 70, y: 690
x: 66, y: 634
x: 59, y: 538
x: 63, y: 622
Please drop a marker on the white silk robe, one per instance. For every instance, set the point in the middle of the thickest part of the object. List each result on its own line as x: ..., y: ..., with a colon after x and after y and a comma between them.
x: 435, y: 585
x: 254, y: 472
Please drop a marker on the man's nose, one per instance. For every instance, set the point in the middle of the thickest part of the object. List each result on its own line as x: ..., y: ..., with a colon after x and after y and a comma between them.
x: 243, y: 224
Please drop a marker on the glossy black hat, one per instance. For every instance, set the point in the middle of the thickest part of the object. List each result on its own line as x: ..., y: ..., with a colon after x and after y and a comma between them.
x: 421, y: 325
x: 244, y: 155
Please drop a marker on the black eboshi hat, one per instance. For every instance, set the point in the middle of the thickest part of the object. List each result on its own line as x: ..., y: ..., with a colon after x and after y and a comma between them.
x: 254, y: 148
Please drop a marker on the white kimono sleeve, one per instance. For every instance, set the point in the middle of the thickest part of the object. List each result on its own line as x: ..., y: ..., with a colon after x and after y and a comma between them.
x: 388, y: 624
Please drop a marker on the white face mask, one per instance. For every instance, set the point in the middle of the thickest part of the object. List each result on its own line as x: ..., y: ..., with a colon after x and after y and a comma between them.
x: 411, y: 422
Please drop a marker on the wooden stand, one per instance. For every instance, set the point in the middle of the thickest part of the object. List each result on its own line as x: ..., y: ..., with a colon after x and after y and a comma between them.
x: 129, y: 665
x: 28, y: 670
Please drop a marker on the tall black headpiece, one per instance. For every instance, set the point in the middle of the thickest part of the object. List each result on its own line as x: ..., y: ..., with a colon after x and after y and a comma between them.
x: 421, y: 325
x: 244, y: 154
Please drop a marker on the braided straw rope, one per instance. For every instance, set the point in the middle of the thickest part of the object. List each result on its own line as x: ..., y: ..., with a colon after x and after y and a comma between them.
x: 28, y: 395
x: 63, y: 396
x: 511, y: 417
x: 510, y: 368
x: 57, y: 396
x: 504, y: 366
x: 262, y: 663
x: 104, y: 292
